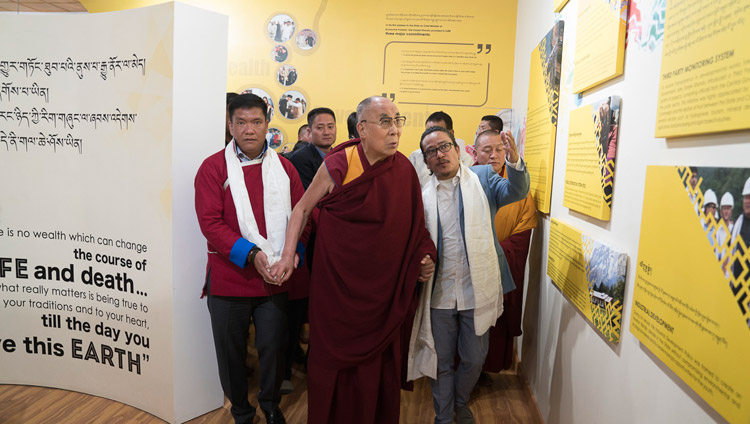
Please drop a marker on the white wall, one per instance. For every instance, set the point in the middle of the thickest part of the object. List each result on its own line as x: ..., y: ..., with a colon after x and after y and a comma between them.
x: 575, y: 374
x: 200, y: 57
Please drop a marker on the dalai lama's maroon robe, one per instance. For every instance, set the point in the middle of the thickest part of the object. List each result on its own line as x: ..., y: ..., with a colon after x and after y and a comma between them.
x: 371, y: 239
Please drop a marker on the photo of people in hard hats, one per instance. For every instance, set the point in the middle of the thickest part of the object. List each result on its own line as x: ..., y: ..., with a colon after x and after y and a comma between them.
x: 721, y: 199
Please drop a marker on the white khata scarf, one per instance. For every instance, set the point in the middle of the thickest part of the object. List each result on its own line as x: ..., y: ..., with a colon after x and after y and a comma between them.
x: 480, y: 245
x: 277, y: 202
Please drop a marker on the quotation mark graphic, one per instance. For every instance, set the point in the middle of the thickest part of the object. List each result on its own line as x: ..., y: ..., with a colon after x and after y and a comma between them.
x: 480, y: 47
x: 391, y: 96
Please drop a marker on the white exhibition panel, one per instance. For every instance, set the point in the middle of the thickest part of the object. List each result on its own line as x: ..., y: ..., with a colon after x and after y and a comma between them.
x: 106, y: 120
x: 576, y: 375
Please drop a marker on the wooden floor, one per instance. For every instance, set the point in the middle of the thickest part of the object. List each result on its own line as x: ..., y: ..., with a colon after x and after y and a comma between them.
x: 505, y: 401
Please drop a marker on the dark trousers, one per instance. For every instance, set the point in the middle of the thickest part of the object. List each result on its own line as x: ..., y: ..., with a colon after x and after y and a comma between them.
x: 297, y: 318
x: 230, y: 323
x: 452, y: 328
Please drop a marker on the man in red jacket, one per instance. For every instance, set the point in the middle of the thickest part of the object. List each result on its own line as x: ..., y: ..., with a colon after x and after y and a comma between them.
x: 244, y: 195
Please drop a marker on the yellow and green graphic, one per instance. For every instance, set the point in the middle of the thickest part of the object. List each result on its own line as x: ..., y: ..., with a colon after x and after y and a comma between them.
x: 729, y: 247
x: 550, y: 54
x: 691, y: 298
x: 606, y: 120
x: 590, y: 163
x: 590, y: 274
x: 541, y: 116
x: 605, y: 274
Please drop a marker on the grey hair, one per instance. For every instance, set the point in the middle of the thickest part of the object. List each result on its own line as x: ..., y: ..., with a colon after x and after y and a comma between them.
x: 364, y: 104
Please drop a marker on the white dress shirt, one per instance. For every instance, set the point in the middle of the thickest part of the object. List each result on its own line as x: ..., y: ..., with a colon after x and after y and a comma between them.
x: 453, y: 282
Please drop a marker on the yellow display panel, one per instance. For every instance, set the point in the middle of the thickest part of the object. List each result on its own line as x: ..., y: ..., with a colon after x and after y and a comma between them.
x: 445, y: 74
x: 541, y: 116
x: 690, y: 300
x: 600, y: 42
x: 705, y: 68
x: 590, y: 166
x: 590, y: 274
x: 425, y: 56
x: 559, y: 4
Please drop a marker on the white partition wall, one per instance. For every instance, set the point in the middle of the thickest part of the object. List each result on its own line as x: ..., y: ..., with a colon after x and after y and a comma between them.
x: 199, y: 116
x: 105, y: 120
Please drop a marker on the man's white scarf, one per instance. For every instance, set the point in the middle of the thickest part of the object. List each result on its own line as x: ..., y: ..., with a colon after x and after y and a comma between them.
x: 480, y: 245
x: 277, y: 201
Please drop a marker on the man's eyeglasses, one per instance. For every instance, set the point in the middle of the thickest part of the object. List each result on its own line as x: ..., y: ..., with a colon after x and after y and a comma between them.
x: 443, y: 148
x: 387, y: 121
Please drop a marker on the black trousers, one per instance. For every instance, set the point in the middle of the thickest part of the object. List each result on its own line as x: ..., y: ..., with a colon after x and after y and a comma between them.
x: 297, y: 318
x: 230, y: 323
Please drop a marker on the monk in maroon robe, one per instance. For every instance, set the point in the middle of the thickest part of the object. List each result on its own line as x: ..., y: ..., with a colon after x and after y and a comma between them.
x: 371, y: 251
x: 513, y: 225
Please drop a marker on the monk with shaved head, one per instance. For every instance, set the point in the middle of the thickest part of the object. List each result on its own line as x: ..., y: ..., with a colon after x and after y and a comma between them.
x: 372, y: 249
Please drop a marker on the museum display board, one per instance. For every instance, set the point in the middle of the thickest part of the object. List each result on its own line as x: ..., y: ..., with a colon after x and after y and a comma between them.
x: 541, y: 115
x: 705, y: 68
x: 559, y: 4
x: 425, y: 56
x: 101, y: 258
x: 590, y: 163
x: 590, y: 274
x: 683, y: 351
x: 692, y: 287
x: 600, y: 42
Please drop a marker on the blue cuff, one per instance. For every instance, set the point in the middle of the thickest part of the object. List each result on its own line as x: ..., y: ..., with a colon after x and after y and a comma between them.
x: 301, y: 252
x: 239, y: 252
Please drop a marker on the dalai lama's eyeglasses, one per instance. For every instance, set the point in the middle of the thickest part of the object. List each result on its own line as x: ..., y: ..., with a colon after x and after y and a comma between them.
x: 387, y: 121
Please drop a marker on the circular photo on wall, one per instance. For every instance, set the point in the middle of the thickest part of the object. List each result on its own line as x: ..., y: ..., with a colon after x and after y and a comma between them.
x: 306, y: 39
x: 279, y: 53
x: 266, y: 98
x: 281, y: 28
x: 274, y: 138
x: 287, y: 75
x: 286, y: 148
x: 292, y: 105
